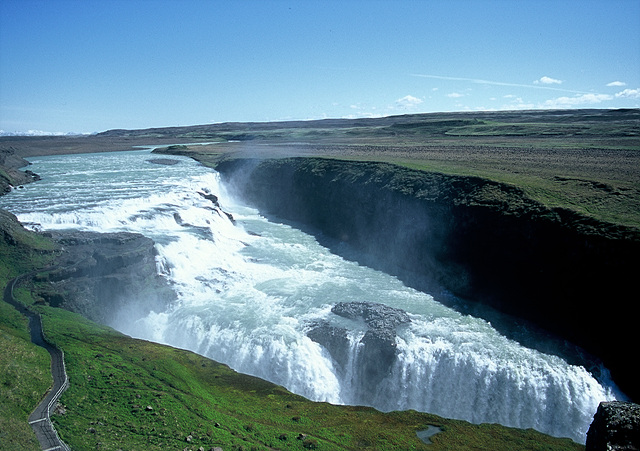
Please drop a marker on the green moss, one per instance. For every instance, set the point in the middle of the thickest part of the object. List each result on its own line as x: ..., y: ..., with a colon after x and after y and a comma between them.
x: 24, y: 378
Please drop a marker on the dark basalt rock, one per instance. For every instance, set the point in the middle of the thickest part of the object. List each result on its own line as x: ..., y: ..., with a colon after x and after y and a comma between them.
x: 615, y: 427
x: 10, y: 176
x: 334, y: 340
x: 214, y: 200
x: 211, y: 197
x: 377, y: 357
x: 376, y: 316
x: 102, y: 275
x: 379, y: 342
x: 378, y: 351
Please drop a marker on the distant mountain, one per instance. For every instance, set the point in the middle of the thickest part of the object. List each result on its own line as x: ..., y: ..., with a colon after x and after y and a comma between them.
x: 39, y: 133
x: 434, y: 124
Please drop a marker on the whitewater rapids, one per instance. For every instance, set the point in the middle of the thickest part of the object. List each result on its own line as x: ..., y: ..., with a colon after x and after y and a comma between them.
x: 250, y: 289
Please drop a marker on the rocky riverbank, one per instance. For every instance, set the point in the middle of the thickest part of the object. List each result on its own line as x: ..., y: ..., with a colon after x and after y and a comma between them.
x: 10, y: 175
x: 101, y: 275
x: 480, y: 240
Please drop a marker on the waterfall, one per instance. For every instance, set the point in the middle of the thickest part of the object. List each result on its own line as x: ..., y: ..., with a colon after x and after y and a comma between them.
x: 250, y: 293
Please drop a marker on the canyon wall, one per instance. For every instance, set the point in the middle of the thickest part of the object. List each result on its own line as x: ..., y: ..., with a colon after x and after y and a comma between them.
x: 482, y: 241
x: 105, y: 276
x: 10, y: 175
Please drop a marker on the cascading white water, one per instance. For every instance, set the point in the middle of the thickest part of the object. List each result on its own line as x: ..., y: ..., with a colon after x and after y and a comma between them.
x: 249, y: 292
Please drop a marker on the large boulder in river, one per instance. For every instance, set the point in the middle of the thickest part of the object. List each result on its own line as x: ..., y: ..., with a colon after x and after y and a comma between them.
x: 379, y: 342
x: 376, y: 316
x: 335, y: 340
x: 615, y: 427
x: 376, y: 349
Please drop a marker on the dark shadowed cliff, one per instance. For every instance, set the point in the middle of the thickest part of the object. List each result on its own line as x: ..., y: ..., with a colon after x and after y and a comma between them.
x: 9, y: 174
x: 100, y: 275
x: 480, y: 240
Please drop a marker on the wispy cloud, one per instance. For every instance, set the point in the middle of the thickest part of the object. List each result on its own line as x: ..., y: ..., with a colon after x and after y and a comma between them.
x: 571, y: 101
x: 617, y: 83
x: 516, y: 103
x: 408, y: 102
x: 584, y: 99
x: 472, y: 80
x: 455, y: 95
x: 629, y: 93
x: 540, y: 85
x: 547, y: 81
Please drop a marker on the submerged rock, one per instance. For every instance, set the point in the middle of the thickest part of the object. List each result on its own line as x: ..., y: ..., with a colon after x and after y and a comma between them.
x: 210, y: 197
x: 164, y: 161
x: 214, y: 200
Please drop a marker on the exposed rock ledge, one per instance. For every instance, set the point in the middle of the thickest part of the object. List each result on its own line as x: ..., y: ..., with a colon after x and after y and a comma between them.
x: 615, y: 427
x: 10, y: 176
x: 100, y: 274
x: 378, y: 351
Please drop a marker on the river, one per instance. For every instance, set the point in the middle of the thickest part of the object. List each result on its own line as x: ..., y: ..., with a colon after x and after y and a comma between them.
x: 249, y: 290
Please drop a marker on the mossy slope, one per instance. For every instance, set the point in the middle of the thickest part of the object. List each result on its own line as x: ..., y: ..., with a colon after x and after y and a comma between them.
x: 24, y: 367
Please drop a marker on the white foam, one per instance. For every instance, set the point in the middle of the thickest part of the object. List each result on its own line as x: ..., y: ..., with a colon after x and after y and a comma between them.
x: 247, y: 293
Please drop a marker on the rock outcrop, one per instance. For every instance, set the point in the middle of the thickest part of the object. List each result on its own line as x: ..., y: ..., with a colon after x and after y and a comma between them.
x: 103, y: 275
x: 483, y: 241
x: 335, y: 340
x: 377, y: 347
x: 164, y: 161
x: 10, y: 176
x: 615, y: 427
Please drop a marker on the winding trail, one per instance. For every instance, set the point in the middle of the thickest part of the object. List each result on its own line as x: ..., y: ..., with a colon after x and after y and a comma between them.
x: 40, y: 418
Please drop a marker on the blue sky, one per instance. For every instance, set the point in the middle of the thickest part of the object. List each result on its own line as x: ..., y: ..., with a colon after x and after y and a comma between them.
x: 88, y: 66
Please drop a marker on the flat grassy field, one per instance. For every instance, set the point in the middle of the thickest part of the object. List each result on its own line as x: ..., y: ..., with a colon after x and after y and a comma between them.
x: 587, y: 161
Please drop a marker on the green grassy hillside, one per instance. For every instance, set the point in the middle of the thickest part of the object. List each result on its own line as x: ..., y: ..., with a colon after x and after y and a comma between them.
x: 24, y: 367
x: 133, y: 394
x: 24, y: 378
